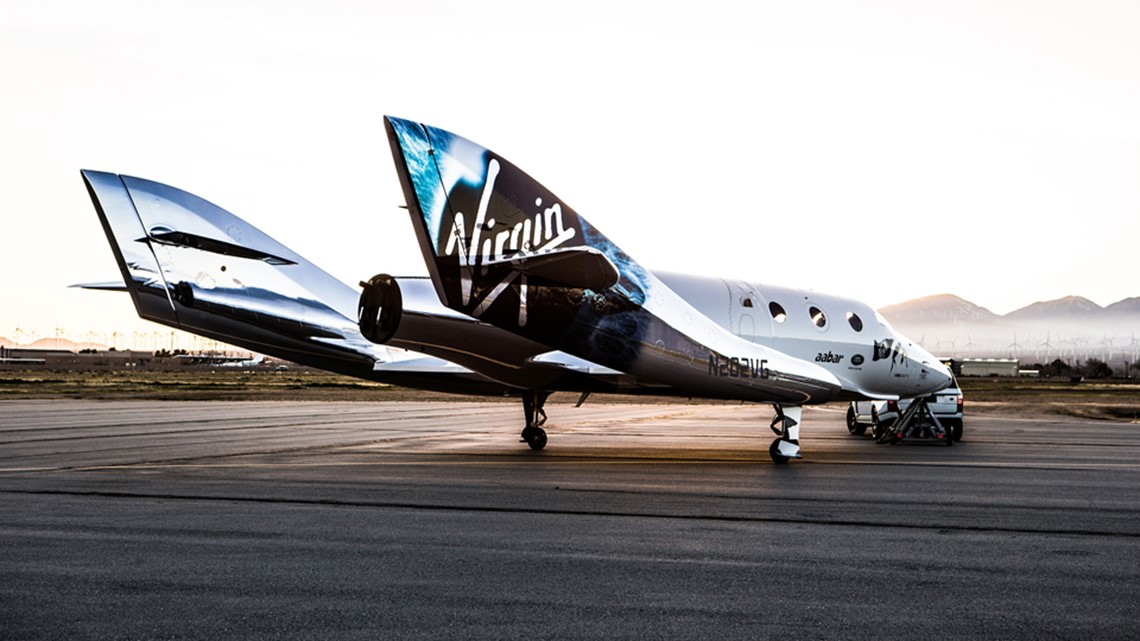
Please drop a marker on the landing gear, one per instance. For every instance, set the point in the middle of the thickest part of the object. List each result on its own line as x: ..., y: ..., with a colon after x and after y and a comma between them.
x: 535, y: 437
x: 533, y: 434
x: 787, y: 445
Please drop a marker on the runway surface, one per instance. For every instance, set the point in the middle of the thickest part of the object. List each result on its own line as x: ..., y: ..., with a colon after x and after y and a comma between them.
x: 220, y: 520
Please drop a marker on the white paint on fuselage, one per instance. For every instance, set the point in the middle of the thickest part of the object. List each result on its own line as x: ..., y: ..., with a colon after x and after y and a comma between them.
x: 867, y: 355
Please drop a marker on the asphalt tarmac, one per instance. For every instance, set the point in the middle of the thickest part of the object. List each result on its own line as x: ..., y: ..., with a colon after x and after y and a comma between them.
x: 220, y: 520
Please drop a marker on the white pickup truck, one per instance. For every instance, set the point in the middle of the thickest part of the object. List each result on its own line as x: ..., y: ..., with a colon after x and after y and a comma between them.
x: 947, y: 406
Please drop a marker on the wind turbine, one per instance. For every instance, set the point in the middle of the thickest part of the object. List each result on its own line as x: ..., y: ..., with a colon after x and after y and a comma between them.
x: 1014, y: 348
x: 1132, y: 347
x: 1030, y: 343
x: 1046, y: 344
x: 1081, y: 342
x: 1106, y: 345
x: 969, y: 344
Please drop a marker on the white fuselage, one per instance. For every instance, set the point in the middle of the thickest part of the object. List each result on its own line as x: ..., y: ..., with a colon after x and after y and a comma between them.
x: 844, y: 336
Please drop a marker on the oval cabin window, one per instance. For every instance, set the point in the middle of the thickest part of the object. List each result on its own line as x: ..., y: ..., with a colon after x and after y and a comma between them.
x: 778, y: 313
x: 818, y: 318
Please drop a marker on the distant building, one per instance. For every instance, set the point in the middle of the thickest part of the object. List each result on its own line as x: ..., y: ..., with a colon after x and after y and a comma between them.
x: 990, y: 367
x: 61, y: 359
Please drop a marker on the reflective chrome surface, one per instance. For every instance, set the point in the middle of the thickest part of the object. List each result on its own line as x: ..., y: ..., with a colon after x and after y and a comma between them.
x: 190, y: 264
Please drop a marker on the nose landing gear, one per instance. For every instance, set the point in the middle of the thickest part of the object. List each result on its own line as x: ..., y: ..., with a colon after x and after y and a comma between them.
x: 787, y: 445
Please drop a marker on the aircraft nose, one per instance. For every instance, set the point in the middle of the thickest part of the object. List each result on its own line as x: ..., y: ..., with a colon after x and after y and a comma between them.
x: 940, y: 376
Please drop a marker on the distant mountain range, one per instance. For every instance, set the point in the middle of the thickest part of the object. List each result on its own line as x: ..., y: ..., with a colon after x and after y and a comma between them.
x: 52, y: 343
x: 948, y: 307
x: 1126, y: 306
x: 1073, y: 328
x: 940, y: 308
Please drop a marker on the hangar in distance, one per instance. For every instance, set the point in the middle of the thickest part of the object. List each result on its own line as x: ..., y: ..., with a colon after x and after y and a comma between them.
x: 524, y: 297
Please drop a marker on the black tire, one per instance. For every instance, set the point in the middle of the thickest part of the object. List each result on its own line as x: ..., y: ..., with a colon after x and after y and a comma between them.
x: 774, y: 452
x: 854, y: 426
x: 878, y: 430
x: 535, y: 437
x: 954, y: 426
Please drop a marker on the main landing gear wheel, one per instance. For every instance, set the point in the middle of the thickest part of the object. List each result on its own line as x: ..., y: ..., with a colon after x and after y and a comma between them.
x: 532, y: 434
x: 535, y: 437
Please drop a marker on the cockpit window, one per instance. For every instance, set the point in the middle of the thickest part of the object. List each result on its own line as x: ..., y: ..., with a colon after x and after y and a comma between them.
x: 855, y: 321
x: 818, y: 318
x: 778, y: 313
x: 747, y: 302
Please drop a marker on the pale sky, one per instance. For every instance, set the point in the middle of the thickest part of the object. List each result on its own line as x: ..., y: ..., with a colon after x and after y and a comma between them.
x: 882, y: 150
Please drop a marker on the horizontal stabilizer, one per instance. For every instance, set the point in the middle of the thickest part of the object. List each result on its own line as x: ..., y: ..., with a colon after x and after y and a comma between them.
x: 578, y: 267
x: 562, y: 360
x: 193, y: 241
x: 420, y: 365
x: 109, y: 286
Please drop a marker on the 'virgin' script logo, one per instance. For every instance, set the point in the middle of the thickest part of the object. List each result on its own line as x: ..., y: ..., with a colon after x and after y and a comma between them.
x: 484, y: 245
